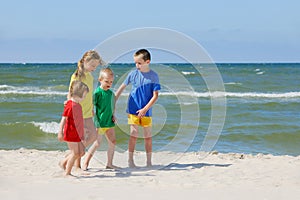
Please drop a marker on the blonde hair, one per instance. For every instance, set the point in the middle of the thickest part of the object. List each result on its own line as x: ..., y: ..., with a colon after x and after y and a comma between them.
x: 87, y: 56
x: 105, y: 72
x: 78, y: 88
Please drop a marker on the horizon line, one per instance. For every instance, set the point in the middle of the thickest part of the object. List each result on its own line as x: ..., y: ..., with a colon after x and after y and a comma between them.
x: 219, y: 62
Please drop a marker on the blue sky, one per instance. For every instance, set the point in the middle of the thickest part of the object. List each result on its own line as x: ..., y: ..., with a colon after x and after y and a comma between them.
x: 230, y: 31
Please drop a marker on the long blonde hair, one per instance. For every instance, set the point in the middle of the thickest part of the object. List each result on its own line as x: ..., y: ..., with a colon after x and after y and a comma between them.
x: 87, y: 56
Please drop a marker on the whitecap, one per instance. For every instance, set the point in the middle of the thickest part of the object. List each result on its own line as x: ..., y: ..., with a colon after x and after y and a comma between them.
x: 47, y: 127
x: 233, y: 83
x: 8, y: 89
x: 233, y: 94
x: 187, y: 73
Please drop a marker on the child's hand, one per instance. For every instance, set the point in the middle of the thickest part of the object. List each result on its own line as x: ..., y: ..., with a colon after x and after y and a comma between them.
x: 141, y: 113
x: 83, y: 141
x: 60, y: 136
x: 114, y: 119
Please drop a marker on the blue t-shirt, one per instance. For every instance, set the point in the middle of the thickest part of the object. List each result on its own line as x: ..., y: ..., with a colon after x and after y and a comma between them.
x: 143, y: 86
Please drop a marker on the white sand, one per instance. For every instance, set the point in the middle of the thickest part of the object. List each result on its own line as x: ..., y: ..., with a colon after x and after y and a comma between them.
x: 32, y: 174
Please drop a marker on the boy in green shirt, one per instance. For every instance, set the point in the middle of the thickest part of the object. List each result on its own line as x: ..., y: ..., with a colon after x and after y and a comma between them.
x: 104, y: 120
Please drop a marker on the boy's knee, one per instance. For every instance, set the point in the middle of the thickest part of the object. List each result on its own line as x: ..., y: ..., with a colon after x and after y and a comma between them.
x: 134, y: 133
x: 93, y: 137
x: 149, y: 139
x: 113, y: 141
x: 97, y: 142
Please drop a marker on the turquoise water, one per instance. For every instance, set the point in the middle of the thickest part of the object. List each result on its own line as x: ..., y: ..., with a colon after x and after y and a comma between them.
x: 262, y: 107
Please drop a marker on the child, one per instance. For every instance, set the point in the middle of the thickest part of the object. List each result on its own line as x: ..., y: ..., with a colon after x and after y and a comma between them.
x: 71, y: 125
x: 87, y: 64
x: 104, y: 119
x: 143, y: 95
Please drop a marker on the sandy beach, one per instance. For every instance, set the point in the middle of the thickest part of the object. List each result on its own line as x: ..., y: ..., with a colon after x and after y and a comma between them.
x: 33, y: 174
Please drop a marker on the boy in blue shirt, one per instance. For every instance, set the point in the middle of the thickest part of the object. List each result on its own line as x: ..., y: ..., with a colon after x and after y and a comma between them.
x: 143, y: 95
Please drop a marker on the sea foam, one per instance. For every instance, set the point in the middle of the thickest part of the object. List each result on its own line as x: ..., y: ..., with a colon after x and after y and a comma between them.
x: 47, y: 127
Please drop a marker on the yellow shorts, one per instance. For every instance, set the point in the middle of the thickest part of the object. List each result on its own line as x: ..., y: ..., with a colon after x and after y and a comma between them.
x: 144, y: 121
x: 102, y: 131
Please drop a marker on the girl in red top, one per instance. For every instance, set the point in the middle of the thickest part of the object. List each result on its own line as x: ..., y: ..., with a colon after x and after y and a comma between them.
x: 71, y: 129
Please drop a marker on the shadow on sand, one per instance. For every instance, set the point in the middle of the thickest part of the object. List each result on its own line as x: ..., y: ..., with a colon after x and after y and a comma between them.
x: 145, y: 171
x: 177, y: 166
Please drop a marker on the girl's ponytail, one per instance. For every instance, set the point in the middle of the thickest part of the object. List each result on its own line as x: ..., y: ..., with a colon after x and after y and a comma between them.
x: 89, y: 55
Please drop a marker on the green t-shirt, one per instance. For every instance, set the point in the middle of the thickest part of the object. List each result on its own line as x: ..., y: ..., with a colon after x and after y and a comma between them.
x: 104, y: 103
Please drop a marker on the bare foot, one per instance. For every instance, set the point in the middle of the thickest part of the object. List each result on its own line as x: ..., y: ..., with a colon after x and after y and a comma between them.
x: 80, y: 171
x: 69, y: 176
x: 84, y: 167
x: 131, y: 164
x: 149, y: 165
x: 62, y: 165
x: 112, y: 167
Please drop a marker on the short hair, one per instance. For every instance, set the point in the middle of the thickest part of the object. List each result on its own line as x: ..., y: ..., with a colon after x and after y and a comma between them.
x: 104, y: 72
x: 146, y: 54
x: 78, y: 88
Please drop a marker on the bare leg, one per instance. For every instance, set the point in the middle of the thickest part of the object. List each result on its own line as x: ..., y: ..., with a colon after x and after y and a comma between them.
x: 90, y: 132
x: 111, y: 140
x: 90, y: 135
x: 148, y: 145
x: 131, y: 144
x: 91, y: 152
x: 63, y: 163
x: 76, y: 151
x: 71, y: 159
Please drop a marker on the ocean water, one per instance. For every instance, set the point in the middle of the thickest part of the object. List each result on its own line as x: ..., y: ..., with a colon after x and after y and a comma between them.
x: 262, y: 104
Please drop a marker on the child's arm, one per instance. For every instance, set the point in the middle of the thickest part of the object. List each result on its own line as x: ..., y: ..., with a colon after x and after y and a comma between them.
x: 142, y: 112
x: 119, y: 91
x: 117, y: 95
x: 60, y: 135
